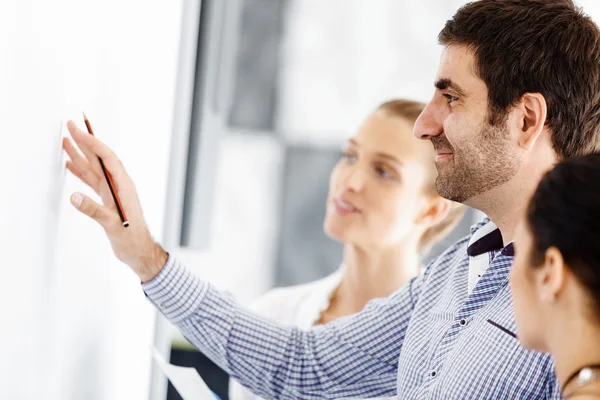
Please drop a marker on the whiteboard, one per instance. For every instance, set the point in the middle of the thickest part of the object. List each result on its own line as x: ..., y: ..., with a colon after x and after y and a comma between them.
x: 76, y: 323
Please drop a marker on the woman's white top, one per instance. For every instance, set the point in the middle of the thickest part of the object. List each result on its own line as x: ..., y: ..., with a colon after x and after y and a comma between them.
x: 300, y: 306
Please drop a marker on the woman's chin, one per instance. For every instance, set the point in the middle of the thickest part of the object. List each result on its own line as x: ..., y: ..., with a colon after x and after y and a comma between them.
x: 338, y: 233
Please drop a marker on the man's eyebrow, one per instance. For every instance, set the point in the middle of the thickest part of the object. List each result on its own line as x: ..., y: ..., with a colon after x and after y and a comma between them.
x: 445, y: 83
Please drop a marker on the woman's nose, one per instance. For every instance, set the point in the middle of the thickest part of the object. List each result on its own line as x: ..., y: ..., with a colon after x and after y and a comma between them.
x: 354, y: 179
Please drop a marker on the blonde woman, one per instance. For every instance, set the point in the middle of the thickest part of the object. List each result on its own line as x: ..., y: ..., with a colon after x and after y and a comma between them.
x: 384, y: 208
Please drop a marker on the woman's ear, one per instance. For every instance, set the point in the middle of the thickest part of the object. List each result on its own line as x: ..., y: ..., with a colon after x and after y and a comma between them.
x: 551, y: 279
x: 435, y: 211
x: 531, y: 119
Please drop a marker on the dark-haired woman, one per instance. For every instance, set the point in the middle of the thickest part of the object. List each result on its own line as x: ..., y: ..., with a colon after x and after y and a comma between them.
x: 555, y: 279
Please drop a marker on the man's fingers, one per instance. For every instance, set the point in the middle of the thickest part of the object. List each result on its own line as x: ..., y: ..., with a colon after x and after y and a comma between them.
x: 94, y: 148
x: 75, y: 155
x: 71, y: 167
x: 89, y: 178
x: 79, y: 137
x: 80, y: 167
x: 95, y: 211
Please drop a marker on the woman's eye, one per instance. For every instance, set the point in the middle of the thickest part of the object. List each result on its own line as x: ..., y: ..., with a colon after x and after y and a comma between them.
x: 384, y: 173
x: 349, y: 157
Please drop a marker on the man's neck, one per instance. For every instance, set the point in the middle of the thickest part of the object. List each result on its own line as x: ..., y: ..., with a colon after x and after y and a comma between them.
x: 505, y: 204
x: 502, y: 208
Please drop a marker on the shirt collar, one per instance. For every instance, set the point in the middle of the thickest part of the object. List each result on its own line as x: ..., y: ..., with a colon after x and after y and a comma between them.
x: 486, y: 237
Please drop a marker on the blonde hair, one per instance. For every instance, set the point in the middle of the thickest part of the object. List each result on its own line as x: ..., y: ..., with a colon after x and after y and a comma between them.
x: 410, y: 111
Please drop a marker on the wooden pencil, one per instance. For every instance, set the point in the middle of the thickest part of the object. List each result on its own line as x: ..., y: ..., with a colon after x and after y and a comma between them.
x: 109, y: 180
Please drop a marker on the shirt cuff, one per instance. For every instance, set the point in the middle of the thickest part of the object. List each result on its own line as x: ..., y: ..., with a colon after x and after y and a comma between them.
x: 175, y: 291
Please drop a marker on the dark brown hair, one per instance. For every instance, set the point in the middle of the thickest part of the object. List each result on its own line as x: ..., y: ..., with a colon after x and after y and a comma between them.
x: 564, y: 213
x: 410, y: 111
x: 536, y: 46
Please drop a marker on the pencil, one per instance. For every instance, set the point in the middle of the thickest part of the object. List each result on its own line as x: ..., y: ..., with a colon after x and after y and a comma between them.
x: 109, y: 180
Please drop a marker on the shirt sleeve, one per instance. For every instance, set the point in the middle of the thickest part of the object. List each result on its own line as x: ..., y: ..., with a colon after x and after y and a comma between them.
x: 262, y: 306
x: 354, y: 356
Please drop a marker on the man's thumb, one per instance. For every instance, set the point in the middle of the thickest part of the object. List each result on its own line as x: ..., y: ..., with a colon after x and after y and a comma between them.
x: 90, y: 208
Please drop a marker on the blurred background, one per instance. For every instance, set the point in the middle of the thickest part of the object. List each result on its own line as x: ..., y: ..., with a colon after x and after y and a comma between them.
x: 229, y: 115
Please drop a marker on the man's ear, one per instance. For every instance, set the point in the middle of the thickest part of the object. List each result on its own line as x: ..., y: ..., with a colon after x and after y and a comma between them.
x: 531, y: 119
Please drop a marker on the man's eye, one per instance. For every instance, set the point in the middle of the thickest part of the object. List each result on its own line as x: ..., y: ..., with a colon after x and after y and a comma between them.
x: 450, y: 98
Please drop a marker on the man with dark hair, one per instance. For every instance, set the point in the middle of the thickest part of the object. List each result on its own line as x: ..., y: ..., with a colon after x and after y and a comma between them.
x: 517, y: 90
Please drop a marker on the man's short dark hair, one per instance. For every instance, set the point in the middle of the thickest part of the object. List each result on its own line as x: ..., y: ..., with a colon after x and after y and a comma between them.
x: 536, y: 46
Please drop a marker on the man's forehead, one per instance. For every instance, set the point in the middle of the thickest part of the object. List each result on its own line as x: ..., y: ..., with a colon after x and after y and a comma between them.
x: 457, y: 64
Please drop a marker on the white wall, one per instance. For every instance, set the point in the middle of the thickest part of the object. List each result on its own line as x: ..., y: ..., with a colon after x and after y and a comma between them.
x: 341, y: 58
x: 76, y: 323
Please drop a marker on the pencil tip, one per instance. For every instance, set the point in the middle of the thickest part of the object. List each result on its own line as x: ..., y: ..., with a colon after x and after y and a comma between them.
x: 84, y: 117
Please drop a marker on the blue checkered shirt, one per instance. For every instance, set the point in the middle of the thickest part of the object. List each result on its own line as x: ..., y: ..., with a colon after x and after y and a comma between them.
x: 431, y: 339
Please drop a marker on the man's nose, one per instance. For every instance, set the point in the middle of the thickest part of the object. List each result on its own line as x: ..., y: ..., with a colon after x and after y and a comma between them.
x: 429, y: 124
